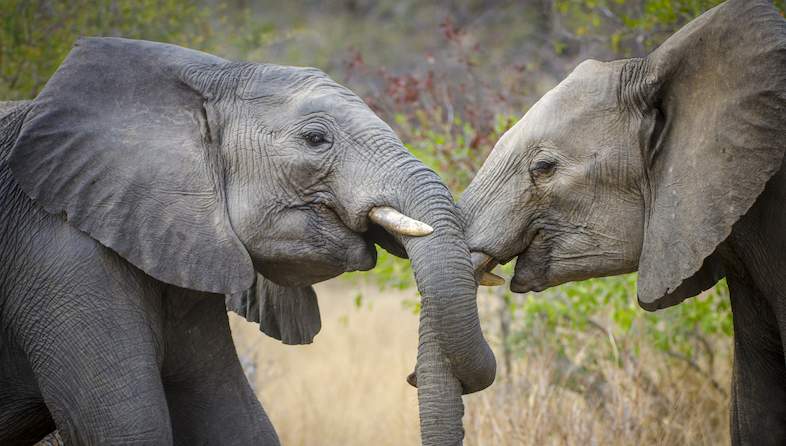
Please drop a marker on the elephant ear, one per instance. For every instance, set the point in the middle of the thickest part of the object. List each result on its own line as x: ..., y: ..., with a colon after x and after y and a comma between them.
x: 716, y: 92
x: 290, y: 315
x: 118, y: 142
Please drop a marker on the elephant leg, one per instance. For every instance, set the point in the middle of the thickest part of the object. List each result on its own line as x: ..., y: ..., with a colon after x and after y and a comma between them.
x: 210, y: 400
x: 24, y: 418
x: 92, y: 337
x: 758, y: 406
x: 101, y: 387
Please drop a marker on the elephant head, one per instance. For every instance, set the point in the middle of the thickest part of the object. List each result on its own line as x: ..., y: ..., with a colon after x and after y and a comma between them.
x: 640, y: 164
x: 203, y: 172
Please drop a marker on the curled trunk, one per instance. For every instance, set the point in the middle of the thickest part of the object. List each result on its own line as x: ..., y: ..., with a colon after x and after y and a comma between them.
x: 453, y: 356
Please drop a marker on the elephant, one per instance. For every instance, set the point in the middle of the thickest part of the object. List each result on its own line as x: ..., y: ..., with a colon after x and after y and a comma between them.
x: 670, y: 165
x: 147, y: 187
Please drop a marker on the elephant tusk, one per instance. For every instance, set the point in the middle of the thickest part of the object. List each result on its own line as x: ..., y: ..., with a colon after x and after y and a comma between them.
x: 397, y: 223
x: 490, y: 279
x: 481, y: 263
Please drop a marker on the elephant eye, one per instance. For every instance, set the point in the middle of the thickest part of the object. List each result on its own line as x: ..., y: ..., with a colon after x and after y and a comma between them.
x: 543, y: 167
x: 315, y: 139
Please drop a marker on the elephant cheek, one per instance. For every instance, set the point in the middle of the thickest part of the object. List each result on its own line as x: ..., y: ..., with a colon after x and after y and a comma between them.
x: 309, y: 247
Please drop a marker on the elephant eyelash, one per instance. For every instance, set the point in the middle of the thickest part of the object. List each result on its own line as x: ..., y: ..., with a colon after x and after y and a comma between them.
x: 543, y: 167
x: 315, y: 139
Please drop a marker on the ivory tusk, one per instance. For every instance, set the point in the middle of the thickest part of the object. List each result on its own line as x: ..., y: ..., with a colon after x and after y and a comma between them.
x: 397, y: 223
x: 481, y: 263
x: 490, y: 279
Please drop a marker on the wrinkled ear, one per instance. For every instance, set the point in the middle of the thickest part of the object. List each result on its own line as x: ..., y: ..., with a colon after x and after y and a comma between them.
x: 119, y: 142
x: 290, y: 315
x: 717, y: 98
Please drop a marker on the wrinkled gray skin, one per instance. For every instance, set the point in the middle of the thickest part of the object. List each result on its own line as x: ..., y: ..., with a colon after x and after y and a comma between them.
x: 145, y: 182
x: 670, y: 165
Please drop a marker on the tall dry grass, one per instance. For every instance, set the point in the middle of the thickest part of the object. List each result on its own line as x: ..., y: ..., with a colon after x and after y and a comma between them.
x: 534, y: 406
x: 348, y: 387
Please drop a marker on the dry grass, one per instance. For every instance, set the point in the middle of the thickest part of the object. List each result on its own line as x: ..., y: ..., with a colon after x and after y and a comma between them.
x: 532, y: 407
x: 348, y: 388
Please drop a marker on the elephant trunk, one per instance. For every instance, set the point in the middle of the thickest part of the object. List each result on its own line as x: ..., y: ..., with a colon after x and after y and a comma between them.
x: 453, y: 356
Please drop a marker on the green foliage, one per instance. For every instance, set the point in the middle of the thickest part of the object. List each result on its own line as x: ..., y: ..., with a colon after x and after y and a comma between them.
x: 632, y: 28
x: 446, y: 147
x: 36, y: 35
x: 559, y: 316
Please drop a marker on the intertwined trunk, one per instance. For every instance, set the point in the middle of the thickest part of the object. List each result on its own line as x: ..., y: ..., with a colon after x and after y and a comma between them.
x: 453, y: 356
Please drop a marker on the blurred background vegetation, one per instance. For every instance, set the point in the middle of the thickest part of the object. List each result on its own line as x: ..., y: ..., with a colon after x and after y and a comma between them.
x: 450, y: 77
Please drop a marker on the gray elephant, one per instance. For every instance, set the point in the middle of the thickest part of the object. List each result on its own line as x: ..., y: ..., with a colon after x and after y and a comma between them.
x: 670, y: 165
x: 146, y: 182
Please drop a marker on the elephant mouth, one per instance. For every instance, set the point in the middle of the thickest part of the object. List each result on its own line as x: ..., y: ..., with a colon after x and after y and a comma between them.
x: 482, y: 264
x: 532, y: 266
x: 377, y: 235
x: 524, y: 279
x: 379, y: 225
x: 382, y: 226
x: 385, y: 225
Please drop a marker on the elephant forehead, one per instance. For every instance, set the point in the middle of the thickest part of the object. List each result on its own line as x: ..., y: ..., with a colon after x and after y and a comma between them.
x: 339, y: 103
x: 276, y: 80
x: 591, y: 88
x: 288, y: 94
x: 295, y: 84
x: 581, y: 107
